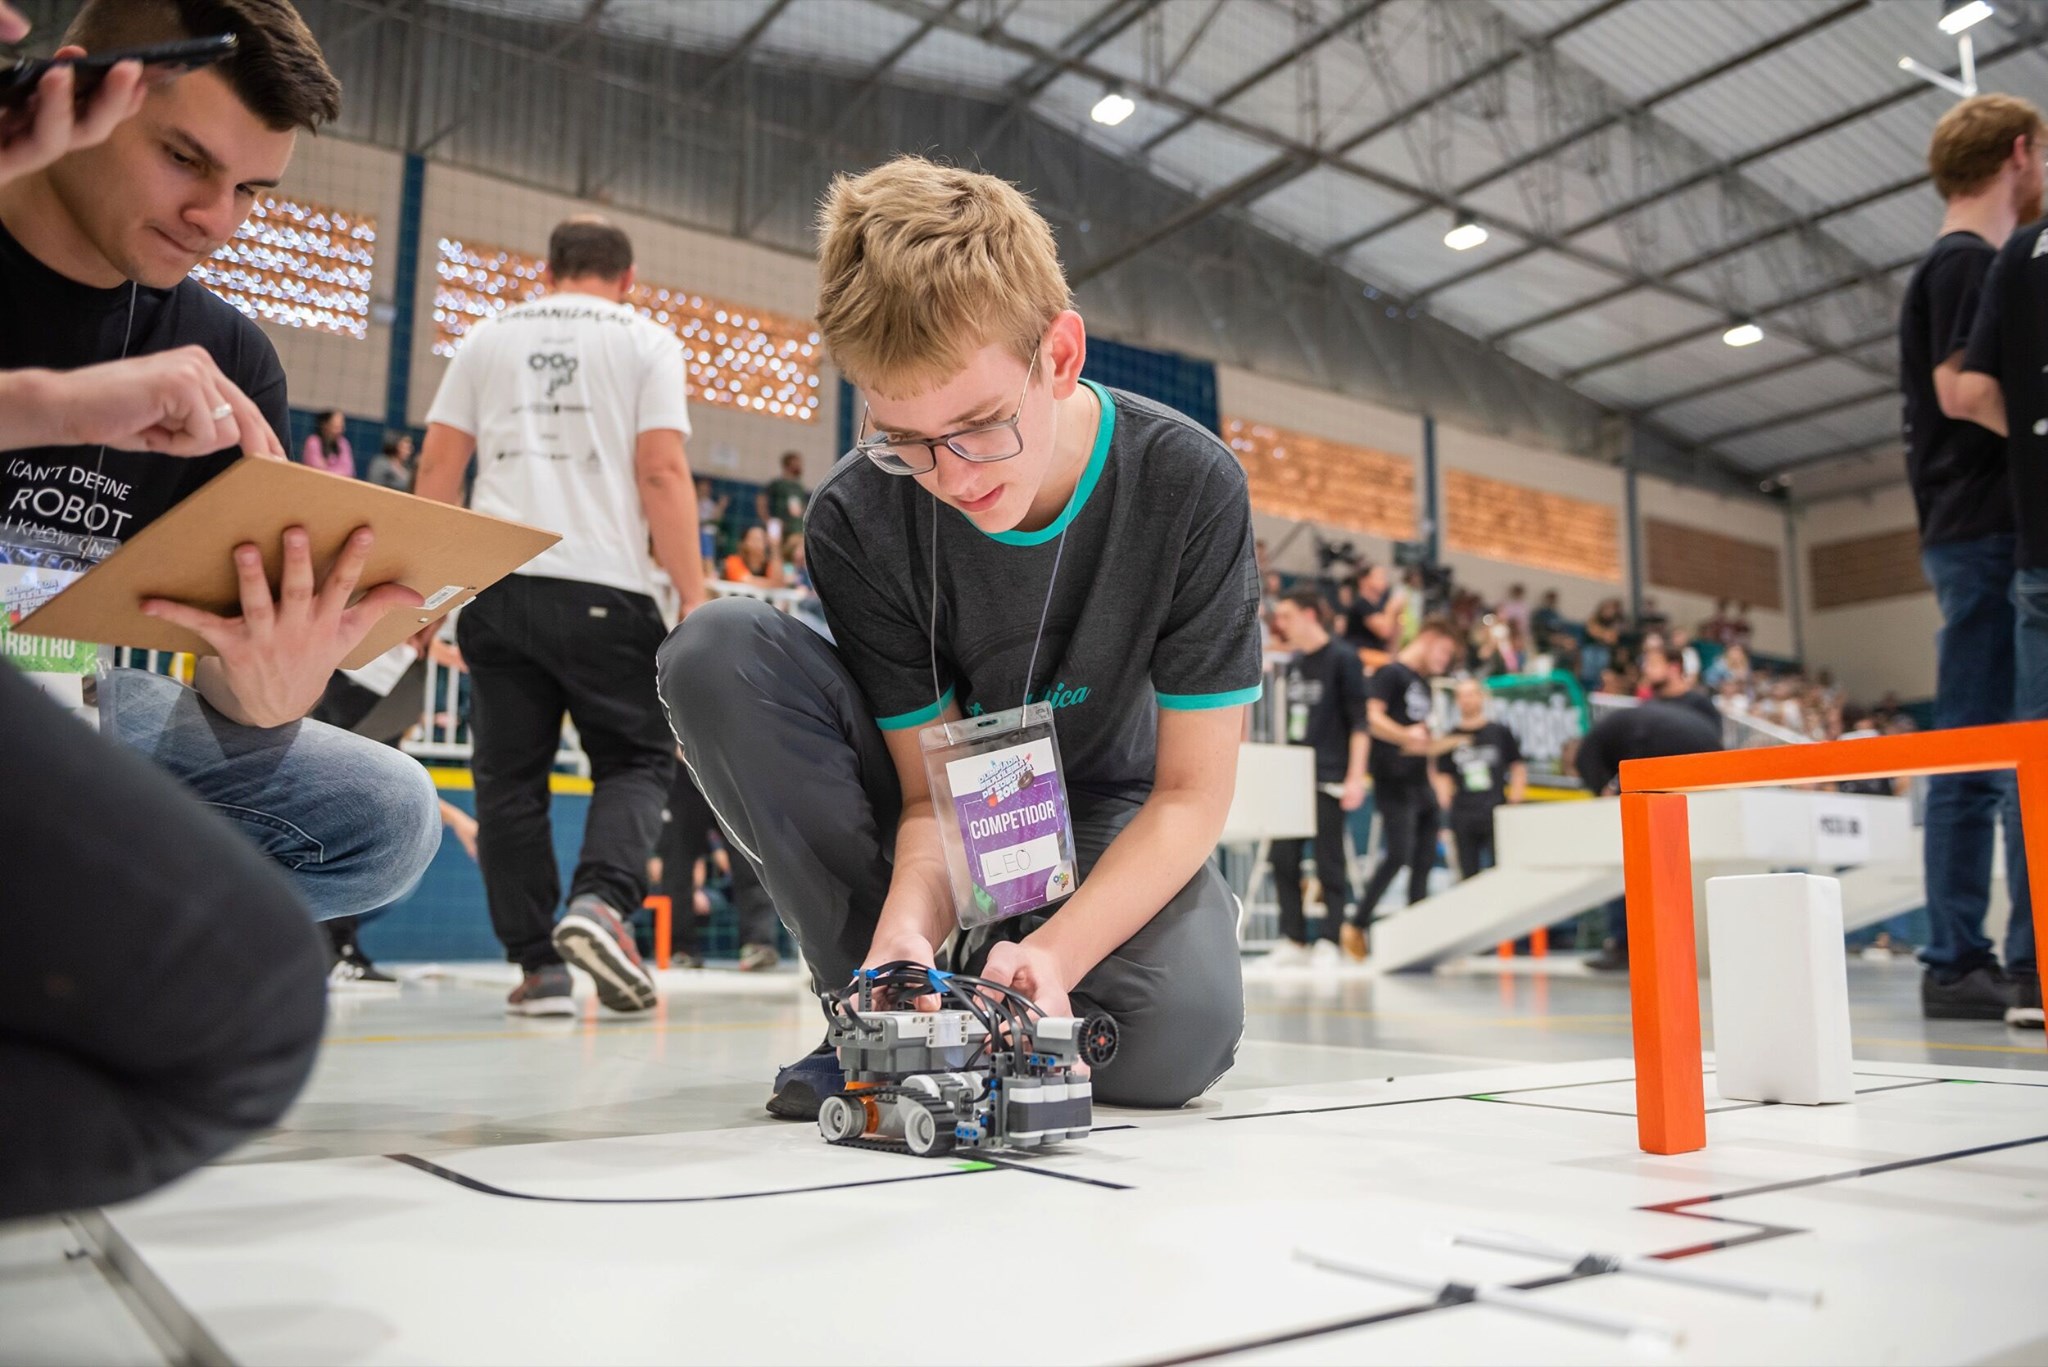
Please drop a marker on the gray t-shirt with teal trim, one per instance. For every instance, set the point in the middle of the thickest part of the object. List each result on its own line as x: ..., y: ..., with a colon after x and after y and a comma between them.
x: 1156, y: 604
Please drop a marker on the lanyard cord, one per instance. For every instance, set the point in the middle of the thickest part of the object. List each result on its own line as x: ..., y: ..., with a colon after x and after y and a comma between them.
x: 932, y: 627
x: 127, y: 340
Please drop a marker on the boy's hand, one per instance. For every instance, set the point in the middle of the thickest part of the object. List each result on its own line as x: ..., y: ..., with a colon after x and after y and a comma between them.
x: 1354, y: 794
x: 1032, y: 971
x: 892, y: 946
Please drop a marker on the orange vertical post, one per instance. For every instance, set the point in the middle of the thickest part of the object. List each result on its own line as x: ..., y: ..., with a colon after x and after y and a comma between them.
x: 1663, y: 979
x: 1506, y: 949
x: 664, y: 927
x: 2032, y: 776
x: 1539, y: 942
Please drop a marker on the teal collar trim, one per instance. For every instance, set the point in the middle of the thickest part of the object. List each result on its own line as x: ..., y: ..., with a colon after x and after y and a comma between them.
x: 1097, y: 458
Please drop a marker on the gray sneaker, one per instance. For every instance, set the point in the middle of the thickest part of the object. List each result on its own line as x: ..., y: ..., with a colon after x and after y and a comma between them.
x: 758, y: 958
x: 544, y: 991
x: 592, y: 936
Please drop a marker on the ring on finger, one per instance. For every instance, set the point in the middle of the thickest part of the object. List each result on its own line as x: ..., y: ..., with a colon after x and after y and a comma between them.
x: 223, y: 411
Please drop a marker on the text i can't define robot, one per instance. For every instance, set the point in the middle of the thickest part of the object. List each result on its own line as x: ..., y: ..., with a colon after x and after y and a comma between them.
x: 987, y: 1070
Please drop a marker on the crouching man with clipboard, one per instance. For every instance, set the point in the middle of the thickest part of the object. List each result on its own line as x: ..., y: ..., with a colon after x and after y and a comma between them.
x: 96, y: 250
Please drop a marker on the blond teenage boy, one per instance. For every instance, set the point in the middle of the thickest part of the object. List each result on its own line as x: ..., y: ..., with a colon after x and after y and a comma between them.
x: 998, y: 510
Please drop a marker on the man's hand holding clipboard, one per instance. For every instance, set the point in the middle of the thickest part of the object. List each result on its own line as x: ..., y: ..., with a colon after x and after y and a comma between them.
x: 272, y: 662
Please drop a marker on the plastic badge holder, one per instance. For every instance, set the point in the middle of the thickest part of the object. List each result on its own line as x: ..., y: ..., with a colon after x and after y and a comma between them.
x: 1001, y: 796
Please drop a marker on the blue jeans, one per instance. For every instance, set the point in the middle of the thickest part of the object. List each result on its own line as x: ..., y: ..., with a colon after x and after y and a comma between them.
x: 2030, y: 644
x: 1974, y: 686
x: 353, y: 823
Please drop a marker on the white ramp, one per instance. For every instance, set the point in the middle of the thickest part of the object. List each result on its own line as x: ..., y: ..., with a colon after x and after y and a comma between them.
x: 1557, y: 859
x: 1499, y: 904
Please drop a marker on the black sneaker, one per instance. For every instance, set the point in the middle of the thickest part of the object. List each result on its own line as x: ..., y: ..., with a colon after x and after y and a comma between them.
x: 2025, y: 1010
x: 1976, y: 994
x: 353, y: 972
x: 803, y: 1086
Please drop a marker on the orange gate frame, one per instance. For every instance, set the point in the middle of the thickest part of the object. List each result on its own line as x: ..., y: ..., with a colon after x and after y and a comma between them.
x: 1664, y: 989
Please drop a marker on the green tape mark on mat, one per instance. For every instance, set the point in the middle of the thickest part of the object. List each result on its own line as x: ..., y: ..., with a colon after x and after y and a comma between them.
x: 1482, y: 1097
x: 973, y: 1165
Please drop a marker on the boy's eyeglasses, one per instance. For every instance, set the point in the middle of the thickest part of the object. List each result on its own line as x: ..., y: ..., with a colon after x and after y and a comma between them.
x: 982, y: 445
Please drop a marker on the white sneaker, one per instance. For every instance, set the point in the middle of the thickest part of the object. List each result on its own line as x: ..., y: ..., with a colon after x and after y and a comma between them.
x: 1288, y: 954
x: 1325, y: 955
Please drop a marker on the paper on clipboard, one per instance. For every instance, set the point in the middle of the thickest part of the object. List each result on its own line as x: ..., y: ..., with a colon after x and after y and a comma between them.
x: 446, y: 554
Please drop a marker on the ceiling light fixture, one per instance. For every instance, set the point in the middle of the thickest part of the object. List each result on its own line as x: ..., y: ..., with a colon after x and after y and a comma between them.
x: 1743, y: 334
x: 1958, y: 15
x: 1113, y: 108
x: 1465, y: 234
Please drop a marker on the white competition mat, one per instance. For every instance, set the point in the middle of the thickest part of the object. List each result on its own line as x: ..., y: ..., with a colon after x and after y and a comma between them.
x: 1919, y: 1214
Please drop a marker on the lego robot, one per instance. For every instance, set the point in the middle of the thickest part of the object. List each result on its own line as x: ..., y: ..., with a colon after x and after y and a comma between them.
x: 988, y: 1070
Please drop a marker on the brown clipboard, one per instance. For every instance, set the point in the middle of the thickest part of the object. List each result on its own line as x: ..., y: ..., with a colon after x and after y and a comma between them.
x: 446, y: 554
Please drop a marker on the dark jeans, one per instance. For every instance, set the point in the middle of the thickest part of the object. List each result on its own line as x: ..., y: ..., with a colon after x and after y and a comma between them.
x: 2030, y: 645
x: 1408, y: 813
x: 787, y: 751
x: 1472, y: 835
x: 1974, y: 687
x: 686, y: 839
x: 536, y: 647
x: 163, y: 987
x: 1332, y: 870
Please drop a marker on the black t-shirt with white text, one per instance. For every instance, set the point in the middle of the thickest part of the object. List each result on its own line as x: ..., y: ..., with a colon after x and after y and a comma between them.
x: 1325, y: 703
x: 1957, y: 469
x: 2010, y: 341
x: 52, y: 322
x: 1478, y: 768
x: 1154, y: 596
x: 1406, y: 695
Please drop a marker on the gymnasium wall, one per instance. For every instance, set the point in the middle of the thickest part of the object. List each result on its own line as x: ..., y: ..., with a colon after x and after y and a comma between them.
x: 1255, y: 398
x: 1884, y: 642
x: 327, y: 369
x: 1757, y: 526
x: 1873, y: 647
x: 1503, y: 463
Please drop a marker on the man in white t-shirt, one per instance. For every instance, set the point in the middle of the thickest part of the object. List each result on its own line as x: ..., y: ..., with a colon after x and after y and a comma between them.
x: 574, y: 405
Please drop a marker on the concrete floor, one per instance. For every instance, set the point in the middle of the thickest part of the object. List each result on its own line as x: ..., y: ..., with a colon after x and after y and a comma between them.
x: 436, y: 1067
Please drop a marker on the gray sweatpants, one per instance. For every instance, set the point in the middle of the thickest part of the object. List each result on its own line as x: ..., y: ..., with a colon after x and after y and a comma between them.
x: 784, y: 748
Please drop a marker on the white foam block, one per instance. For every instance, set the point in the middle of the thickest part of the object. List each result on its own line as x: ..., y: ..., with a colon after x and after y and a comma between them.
x: 1781, y: 988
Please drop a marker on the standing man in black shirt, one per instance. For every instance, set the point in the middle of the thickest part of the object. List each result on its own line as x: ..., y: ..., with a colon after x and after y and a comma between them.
x: 1397, y: 713
x: 1373, y: 620
x: 1986, y: 161
x: 1325, y: 702
x: 1484, y: 773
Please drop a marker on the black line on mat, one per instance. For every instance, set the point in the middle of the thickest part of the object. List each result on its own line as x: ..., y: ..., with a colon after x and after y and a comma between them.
x: 448, y: 1175
x: 1016, y: 1165
x: 1903, y: 1086
x: 1419, y: 1100
x: 1758, y: 1231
